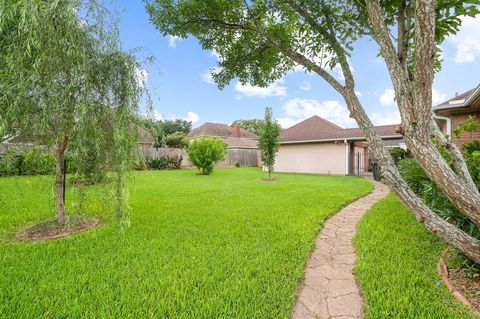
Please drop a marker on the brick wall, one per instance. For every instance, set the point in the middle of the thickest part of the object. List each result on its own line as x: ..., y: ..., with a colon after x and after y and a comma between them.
x: 464, y: 137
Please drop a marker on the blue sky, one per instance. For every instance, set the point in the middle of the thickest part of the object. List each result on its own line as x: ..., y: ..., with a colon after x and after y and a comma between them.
x: 180, y: 87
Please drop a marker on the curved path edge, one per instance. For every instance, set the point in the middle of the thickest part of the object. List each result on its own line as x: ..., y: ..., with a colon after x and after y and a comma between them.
x: 329, y: 289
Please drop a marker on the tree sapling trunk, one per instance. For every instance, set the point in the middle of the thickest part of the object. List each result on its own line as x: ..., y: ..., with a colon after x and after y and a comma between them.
x: 60, y: 181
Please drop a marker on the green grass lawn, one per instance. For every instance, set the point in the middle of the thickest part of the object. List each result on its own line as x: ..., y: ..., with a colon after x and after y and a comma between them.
x: 219, y: 246
x: 396, y: 266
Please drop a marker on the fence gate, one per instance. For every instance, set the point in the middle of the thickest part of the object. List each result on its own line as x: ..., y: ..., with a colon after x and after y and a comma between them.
x: 362, y: 163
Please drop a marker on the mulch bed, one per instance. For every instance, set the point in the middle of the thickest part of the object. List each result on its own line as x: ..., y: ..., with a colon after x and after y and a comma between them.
x: 49, y: 230
x: 465, y: 289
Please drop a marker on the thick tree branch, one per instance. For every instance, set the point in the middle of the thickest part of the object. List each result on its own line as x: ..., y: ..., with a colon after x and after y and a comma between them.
x: 403, y: 26
x: 293, y: 55
x: 330, y: 35
x: 398, y: 74
x: 424, y: 57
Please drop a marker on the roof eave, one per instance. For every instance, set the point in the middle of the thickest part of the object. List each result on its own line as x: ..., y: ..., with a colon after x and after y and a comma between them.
x: 338, y: 139
x: 243, y: 147
x: 468, y: 101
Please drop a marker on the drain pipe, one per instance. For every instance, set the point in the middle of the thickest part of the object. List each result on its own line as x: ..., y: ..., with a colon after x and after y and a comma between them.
x: 448, y: 121
x: 347, y: 153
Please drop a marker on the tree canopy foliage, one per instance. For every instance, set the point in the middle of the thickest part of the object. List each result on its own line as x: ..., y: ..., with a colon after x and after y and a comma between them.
x: 176, y: 140
x: 252, y: 125
x: 161, y: 128
x: 66, y: 80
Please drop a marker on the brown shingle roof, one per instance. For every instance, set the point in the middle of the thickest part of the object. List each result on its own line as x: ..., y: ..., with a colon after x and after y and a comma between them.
x: 219, y: 130
x: 318, y: 129
x: 144, y: 136
x: 235, y: 142
x: 460, y: 98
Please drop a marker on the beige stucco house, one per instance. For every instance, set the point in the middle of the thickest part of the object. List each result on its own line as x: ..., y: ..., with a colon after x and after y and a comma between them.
x: 319, y: 146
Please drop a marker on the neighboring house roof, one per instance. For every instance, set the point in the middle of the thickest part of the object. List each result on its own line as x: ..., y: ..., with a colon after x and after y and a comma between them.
x: 219, y: 130
x: 461, y: 100
x: 144, y: 136
x: 317, y: 129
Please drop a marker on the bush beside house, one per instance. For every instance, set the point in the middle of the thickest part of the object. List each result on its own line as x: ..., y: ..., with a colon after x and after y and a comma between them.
x: 33, y: 161
x: 435, y: 199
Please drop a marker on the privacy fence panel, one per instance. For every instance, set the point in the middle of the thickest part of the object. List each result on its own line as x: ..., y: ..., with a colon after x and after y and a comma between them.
x: 243, y: 156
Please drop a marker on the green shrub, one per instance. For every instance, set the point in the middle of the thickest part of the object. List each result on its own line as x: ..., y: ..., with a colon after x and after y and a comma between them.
x: 413, y: 174
x: 205, y: 151
x: 38, y: 162
x: 10, y: 163
x: 34, y: 161
x: 173, y: 161
x: 157, y: 163
x: 166, y: 162
x: 433, y: 197
x: 237, y: 164
x: 471, y: 153
x: 398, y: 153
x: 176, y: 140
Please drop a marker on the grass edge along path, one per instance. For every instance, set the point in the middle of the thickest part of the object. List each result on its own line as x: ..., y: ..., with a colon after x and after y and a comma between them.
x: 396, y: 266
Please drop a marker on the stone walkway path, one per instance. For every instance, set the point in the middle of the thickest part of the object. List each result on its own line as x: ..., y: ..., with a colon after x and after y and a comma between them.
x: 329, y: 289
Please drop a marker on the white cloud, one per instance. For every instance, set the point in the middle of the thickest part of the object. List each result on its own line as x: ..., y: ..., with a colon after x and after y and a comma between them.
x: 298, y: 109
x: 305, y: 86
x: 386, y: 118
x: 192, y: 116
x: 438, y: 97
x: 286, y: 122
x: 274, y: 89
x: 467, y: 41
x: 358, y: 93
x: 388, y: 97
x: 153, y: 115
x: 207, y: 75
x: 172, y: 40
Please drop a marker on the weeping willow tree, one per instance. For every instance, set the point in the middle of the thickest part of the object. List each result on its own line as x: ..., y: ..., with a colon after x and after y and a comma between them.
x: 66, y: 82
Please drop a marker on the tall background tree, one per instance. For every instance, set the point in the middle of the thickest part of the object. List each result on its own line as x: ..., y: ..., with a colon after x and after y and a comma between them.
x: 252, y: 125
x: 260, y: 41
x: 160, y: 129
x: 66, y: 81
x: 268, y: 140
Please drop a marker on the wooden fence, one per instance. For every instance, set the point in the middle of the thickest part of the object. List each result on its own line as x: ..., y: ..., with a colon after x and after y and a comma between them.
x: 246, y: 157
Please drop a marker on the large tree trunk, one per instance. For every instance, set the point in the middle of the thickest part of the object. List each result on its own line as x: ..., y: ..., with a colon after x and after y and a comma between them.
x: 59, y: 180
x: 414, y: 98
x: 452, y: 235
